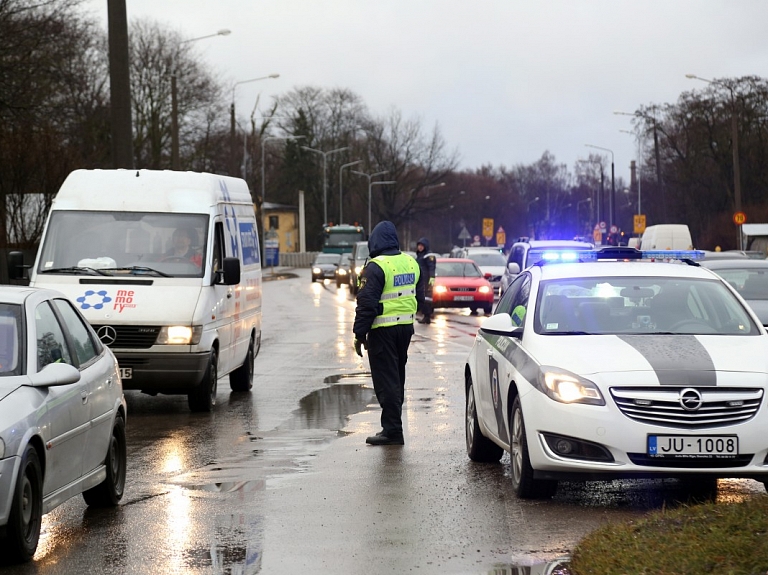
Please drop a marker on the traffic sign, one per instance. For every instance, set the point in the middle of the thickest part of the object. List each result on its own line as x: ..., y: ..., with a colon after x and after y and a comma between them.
x: 614, y: 229
x: 501, y: 237
x: 476, y: 239
x: 603, y: 227
x: 487, y: 228
x: 464, y: 234
x: 739, y: 218
x: 639, y: 223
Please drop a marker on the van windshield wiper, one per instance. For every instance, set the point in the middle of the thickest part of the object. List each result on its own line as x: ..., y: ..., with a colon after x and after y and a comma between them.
x: 74, y: 270
x: 138, y: 270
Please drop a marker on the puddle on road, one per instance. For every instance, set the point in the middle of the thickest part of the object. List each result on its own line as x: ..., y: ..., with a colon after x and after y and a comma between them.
x: 557, y: 567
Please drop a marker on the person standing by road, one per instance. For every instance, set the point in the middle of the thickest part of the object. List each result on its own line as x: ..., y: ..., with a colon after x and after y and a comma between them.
x: 391, y: 288
x: 427, y: 266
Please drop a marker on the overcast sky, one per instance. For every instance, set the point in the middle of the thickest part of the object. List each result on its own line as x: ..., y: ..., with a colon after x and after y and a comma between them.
x: 505, y: 80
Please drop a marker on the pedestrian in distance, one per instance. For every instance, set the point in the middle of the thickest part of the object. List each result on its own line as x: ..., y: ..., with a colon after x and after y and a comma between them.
x: 427, y: 266
x: 391, y: 288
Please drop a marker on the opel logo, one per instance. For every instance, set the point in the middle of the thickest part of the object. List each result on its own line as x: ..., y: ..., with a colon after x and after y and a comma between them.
x: 690, y: 399
x: 107, y: 334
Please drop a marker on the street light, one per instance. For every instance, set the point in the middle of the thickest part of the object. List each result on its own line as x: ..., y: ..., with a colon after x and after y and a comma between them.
x: 734, y: 146
x: 325, y: 179
x: 369, y: 176
x: 640, y: 155
x: 232, y: 143
x: 174, y: 99
x: 265, y: 220
x: 341, y: 172
x: 528, y: 212
x: 612, y: 211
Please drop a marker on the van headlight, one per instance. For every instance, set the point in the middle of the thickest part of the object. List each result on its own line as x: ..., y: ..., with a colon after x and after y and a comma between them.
x: 179, y: 335
x: 567, y: 387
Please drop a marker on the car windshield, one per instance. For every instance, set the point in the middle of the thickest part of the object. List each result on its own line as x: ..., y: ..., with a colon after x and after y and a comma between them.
x: 639, y: 305
x: 751, y: 283
x: 488, y: 259
x: 121, y: 243
x: 328, y: 259
x: 457, y: 269
x: 10, y: 339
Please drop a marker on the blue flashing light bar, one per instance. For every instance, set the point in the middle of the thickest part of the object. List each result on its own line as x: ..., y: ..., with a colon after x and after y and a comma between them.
x: 618, y: 253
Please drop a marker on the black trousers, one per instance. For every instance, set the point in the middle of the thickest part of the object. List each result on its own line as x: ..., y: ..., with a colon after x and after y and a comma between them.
x: 387, y: 355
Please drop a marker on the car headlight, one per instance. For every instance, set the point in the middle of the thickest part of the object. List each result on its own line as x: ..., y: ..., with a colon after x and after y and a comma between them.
x: 484, y: 289
x: 567, y: 387
x: 358, y: 269
x: 317, y: 271
x: 440, y: 289
x: 179, y: 335
x: 342, y: 272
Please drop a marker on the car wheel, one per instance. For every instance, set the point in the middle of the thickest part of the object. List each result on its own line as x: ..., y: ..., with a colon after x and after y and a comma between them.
x: 473, y: 310
x: 203, y: 396
x: 523, y: 482
x: 338, y: 283
x: 241, y: 379
x: 487, y: 309
x: 109, y: 492
x: 479, y: 447
x: 22, y: 531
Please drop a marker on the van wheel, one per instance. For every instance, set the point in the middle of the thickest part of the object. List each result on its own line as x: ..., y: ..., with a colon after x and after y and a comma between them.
x: 23, y: 527
x: 109, y: 492
x: 203, y: 397
x: 241, y: 379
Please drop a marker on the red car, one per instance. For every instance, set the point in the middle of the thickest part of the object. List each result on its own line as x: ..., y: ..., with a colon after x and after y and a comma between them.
x: 460, y: 283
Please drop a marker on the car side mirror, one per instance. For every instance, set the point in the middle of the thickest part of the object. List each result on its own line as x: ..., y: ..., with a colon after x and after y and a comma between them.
x: 55, y: 374
x: 16, y: 265
x: 501, y: 324
x: 513, y: 268
x: 231, y: 274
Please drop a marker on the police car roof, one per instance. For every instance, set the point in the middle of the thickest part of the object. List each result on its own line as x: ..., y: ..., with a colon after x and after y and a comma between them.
x: 641, y: 268
x: 558, y: 243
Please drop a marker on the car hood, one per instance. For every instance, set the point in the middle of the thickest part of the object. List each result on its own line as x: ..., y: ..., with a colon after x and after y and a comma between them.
x: 125, y: 302
x: 495, y: 270
x: 10, y: 384
x: 452, y: 281
x: 670, y: 357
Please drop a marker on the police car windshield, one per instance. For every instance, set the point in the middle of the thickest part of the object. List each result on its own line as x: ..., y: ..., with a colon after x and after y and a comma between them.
x: 457, y: 269
x: 639, y: 306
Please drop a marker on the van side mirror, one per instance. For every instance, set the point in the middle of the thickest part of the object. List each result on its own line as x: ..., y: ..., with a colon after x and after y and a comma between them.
x: 16, y: 265
x: 231, y: 271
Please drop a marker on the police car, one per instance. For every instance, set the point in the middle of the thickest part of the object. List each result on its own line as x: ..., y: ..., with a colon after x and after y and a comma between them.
x: 619, y: 363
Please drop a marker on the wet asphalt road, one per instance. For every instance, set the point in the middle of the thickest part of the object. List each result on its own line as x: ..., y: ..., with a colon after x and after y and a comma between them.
x: 280, y: 480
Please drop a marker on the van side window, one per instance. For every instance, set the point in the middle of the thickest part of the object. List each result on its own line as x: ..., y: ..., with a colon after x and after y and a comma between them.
x: 218, y: 248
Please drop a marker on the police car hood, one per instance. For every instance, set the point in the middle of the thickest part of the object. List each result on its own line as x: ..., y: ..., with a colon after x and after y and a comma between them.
x: 163, y: 301
x: 9, y: 384
x: 665, y: 355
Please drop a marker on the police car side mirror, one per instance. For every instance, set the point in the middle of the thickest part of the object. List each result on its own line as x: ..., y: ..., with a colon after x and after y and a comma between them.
x: 513, y: 268
x: 501, y: 324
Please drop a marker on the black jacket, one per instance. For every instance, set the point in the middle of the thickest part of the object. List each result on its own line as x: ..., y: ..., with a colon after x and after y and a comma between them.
x: 382, y: 242
x: 426, y: 260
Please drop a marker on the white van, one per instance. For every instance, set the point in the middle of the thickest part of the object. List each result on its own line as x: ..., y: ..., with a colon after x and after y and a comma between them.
x: 166, y: 267
x: 666, y: 237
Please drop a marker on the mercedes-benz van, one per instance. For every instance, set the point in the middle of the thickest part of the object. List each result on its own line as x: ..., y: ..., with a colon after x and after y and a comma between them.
x: 166, y: 267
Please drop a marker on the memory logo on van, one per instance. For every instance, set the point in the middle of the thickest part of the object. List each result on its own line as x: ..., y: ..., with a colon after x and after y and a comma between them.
x: 123, y: 300
x: 93, y: 299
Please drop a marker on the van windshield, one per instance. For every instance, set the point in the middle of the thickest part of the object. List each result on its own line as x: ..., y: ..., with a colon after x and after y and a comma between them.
x: 122, y: 243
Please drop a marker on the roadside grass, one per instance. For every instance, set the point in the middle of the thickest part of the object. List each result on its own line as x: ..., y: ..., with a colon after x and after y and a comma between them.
x: 727, y: 539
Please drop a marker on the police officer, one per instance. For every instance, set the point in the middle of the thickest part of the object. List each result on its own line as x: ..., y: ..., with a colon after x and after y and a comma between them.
x: 390, y: 287
x: 427, y: 266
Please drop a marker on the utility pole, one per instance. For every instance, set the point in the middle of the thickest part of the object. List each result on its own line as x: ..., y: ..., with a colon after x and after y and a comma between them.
x: 120, y: 85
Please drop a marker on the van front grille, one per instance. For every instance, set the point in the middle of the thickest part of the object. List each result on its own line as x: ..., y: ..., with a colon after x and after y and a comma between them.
x: 127, y: 336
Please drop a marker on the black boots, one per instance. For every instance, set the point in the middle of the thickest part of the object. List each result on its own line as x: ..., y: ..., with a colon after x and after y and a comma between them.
x: 381, y: 439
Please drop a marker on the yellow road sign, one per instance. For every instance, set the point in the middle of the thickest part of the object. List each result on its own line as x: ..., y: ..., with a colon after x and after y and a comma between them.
x: 639, y: 223
x: 501, y: 238
x: 488, y: 228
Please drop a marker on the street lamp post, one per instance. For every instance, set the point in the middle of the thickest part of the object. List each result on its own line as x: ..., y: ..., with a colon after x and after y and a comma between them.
x: 369, y: 176
x: 639, y: 170
x: 528, y: 212
x: 265, y: 220
x: 325, y: 179
x: 175, y: 165
x: 578, y: 205
x: 612, y: 207
x: 734, y: 147
x: 232, y: 142
x: 341, y: 173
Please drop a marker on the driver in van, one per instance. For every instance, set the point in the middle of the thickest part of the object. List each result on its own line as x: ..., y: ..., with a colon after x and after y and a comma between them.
x: 183, y: 250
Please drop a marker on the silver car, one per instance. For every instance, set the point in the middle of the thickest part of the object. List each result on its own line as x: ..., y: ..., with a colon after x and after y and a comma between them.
x: 62, y: 415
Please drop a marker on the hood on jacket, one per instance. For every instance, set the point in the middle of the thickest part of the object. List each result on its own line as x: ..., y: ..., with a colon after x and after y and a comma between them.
x: 425, y: 243
x: 383, y: 240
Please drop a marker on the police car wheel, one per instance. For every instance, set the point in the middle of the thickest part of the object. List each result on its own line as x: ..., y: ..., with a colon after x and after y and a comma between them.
x: 523, y: 482
x: 479, y: 447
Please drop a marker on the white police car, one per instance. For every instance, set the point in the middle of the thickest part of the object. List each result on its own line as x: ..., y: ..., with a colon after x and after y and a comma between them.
x: 619, y: 367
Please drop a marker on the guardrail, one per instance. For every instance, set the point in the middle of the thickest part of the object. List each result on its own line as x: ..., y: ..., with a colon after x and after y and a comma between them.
x: 297, y: 259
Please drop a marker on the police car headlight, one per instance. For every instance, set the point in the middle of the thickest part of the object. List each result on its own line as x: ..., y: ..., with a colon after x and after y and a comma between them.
x: 484, y: 289
x: 179, y: 335
x: 440, y: 289
x: 567, y: 387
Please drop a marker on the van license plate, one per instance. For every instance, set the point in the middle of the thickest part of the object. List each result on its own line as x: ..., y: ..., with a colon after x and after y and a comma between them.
x: 464, y: 298
x: 126, y: 372
x: 693, y: 446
